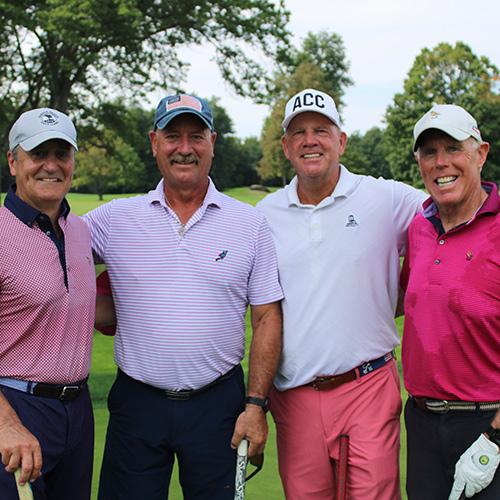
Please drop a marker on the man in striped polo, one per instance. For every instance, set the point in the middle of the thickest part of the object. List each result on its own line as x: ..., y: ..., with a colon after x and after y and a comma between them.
x: 185, y: 261
x: 47, y: 303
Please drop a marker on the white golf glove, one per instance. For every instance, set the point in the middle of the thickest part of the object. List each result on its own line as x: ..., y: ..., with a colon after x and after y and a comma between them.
x: 475, y: 468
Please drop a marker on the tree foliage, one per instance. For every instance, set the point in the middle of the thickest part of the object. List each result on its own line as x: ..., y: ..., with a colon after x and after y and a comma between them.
x: 107, y: 164
x: 364, y: 154
x: 321, y: 64
x: 444, y: 75
x: 235, y: 160
x: 56, y: 52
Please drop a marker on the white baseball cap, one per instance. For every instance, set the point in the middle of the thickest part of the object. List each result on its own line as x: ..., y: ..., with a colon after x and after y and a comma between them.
x: 311, y: 100
x: 40, y: 125
x: 449, y: 118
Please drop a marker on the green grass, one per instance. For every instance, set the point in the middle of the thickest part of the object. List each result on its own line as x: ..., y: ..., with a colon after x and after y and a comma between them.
x: 266, y: 485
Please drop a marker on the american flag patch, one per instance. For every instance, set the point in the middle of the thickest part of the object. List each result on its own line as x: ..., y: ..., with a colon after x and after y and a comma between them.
x: 182, y: 101
x: 388, y: 356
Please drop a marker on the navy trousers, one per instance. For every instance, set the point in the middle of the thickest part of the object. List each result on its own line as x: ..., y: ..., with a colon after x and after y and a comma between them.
x: 434, y: 445
x: 147, y: 430
x: 65, y: 430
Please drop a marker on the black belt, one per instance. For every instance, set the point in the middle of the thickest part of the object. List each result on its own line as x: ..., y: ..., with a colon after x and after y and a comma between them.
x: 189, y: 393
x: 63, y: 392
x: 442, y: 406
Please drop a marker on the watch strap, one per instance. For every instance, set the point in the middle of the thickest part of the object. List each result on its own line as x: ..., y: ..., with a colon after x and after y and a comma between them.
x: 262, y: 402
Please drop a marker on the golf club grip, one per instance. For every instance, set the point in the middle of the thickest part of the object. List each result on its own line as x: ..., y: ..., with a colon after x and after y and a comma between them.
x: 241, y: 470
x: 24, y: 491
x: 341, y: 490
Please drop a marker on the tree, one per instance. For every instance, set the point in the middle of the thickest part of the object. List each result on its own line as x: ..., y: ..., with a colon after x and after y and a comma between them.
x: 321, y: 64
x: 234, y: 161
x: 58, y: 49
x: 443, y: 75
x: 364, y: 154
x: 107, y: 164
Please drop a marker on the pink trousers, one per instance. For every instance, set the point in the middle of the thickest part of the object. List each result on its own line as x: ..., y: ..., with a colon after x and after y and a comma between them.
x: 309, y: 423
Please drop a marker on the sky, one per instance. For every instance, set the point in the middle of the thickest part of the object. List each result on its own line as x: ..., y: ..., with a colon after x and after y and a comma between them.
x: 382, y: 38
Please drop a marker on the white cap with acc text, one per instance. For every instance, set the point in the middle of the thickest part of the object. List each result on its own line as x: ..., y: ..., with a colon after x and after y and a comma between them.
x: 40, y: 125
x: 311, y: 100
x: 450, y: 119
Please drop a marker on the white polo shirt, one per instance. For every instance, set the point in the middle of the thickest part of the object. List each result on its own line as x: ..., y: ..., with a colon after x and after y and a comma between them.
x: 339, y: 269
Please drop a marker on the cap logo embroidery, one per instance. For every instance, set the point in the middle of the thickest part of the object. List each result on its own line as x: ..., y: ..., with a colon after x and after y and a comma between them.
x: 308, y: 99
x: 182, y: 101
x: 434, y: 114
x: 48, y: 118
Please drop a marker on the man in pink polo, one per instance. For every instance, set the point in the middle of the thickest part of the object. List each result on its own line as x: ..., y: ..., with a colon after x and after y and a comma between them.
x: 47, y: 304
x: 451, y: 342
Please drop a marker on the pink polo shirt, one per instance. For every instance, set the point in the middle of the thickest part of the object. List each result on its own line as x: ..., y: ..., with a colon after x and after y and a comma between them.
x: 45, y: 328
x: 451, y: 341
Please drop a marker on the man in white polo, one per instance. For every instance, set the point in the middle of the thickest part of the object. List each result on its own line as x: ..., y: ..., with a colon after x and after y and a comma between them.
x: 339, y: 237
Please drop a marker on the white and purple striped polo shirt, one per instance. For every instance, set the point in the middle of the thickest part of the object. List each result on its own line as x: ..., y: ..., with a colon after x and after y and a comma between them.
x: 181, y: 291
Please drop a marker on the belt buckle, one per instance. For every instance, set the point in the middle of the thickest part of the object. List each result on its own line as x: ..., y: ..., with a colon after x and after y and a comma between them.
x: 320, y: 380
x: 68, y: 391
x: 445, y: 409
x: 178, y: 395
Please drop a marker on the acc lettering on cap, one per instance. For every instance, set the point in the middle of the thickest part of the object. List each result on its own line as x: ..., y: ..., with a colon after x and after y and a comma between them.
x: 309, y: 99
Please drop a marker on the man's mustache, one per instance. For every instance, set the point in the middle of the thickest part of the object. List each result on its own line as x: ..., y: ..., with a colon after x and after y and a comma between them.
x: 183, y: 159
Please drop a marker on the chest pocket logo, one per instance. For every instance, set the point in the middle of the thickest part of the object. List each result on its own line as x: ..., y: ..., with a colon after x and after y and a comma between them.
x: 351, y: 221
x: 221, y: 256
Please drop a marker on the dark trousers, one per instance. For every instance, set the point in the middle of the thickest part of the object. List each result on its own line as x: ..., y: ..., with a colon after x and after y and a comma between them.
x: 434, y: 445
x: 65, y: 430
x: 147, y: 430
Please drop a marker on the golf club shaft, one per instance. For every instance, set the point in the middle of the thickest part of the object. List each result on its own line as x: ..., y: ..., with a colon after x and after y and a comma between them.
x: 341, y: 491
x: 23, y: 490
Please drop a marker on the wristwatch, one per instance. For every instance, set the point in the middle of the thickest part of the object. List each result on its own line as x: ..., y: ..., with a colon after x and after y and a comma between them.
x: 493, y: 435
x: 262, y: 402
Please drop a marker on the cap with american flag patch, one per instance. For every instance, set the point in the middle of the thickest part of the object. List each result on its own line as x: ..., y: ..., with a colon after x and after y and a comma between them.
x: 175, y: 105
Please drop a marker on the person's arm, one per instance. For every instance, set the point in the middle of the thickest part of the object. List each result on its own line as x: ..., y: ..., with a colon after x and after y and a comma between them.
x: 476, y: 467
x: 400, y: 308
x: 265, y: 352
x: 105, y: 316
x: 104, y: 311
x: 18, y: 447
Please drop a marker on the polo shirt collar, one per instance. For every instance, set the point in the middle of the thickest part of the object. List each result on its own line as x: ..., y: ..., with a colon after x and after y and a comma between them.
x: 212, y: 197
x: 25, y: 212
x: 490, y: 205
x: 345, y: 186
